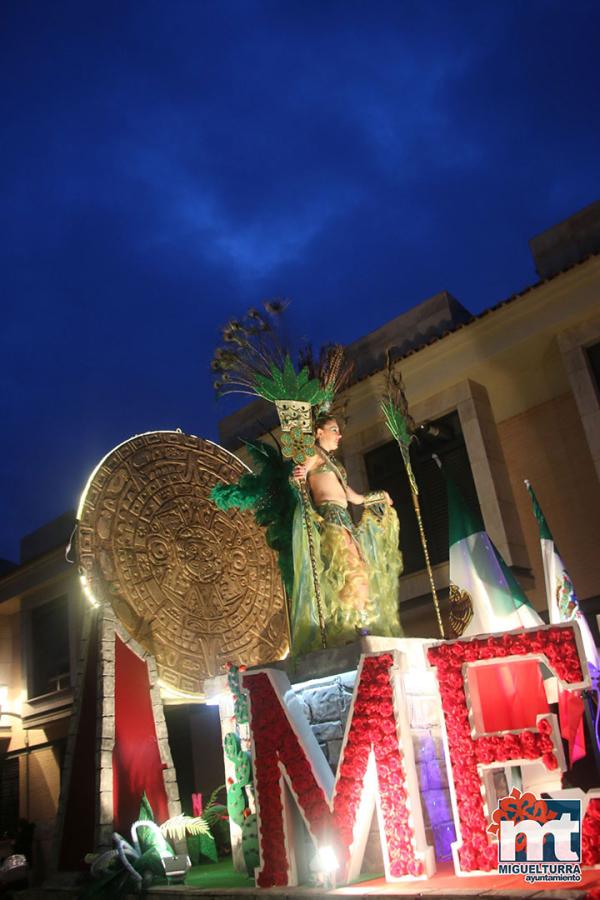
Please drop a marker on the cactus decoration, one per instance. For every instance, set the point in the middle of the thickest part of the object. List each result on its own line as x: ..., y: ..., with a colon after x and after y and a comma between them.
x: 240, y: 701
x: 232, y: 746
x: 250, y: 843
x: 239, y: 791
x: 243, y: 768
x: 237, y: 796
x: 236, y: 803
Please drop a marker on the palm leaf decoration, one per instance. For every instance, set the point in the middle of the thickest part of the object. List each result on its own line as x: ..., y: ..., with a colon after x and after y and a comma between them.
x: 285, y: 384
x: 396, y: 422
x: 178, y: 827
x: 400, y: 423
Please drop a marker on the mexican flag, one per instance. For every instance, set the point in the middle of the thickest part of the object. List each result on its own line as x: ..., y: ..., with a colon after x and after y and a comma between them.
x: 563, y: 605
x: 485, y: 596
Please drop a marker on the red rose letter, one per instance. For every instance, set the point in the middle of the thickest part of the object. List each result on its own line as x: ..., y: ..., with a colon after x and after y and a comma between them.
x: 376, y: 767
x: 556, y: 646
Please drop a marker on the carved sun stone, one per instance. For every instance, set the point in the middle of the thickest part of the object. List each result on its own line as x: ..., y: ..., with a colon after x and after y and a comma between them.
x: 195, y: 586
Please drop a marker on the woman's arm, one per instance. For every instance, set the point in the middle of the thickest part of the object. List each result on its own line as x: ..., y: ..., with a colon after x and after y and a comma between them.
x: 301, y: 470
x: 374, y: 496
x: 353, y: 497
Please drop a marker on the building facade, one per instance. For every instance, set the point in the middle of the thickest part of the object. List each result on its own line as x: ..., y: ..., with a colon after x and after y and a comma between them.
x: 510, y: 394
x: 41, y: 615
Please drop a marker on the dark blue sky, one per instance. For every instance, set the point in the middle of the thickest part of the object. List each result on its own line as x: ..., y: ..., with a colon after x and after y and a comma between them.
x: 164, y: 165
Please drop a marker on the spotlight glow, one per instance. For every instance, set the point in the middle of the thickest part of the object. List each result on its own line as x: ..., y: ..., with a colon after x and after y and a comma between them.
x: 327, y: 860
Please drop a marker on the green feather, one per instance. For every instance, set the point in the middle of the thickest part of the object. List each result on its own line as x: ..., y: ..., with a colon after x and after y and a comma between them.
x: 267, y: 492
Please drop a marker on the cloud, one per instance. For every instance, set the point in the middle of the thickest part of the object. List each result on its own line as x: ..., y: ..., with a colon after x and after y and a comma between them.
x: 161, y: 171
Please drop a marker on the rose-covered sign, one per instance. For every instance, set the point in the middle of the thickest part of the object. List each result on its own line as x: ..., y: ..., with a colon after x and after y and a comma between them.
x: 377, y: 769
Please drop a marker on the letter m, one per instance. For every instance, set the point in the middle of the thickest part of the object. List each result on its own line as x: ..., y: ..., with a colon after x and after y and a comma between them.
x: 376, y: 770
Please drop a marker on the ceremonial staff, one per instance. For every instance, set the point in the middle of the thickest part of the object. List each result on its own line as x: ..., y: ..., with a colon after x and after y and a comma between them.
x: 401, y: 426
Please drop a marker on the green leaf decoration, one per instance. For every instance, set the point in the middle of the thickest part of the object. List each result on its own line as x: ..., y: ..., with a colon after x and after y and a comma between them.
x: 212, y: 800
x: 396, y: 423
x: 208, y: 847
x: 312, y: 392
x: 398, y: 427
x: 268, y: 388
x: 149, y: 861
x: 145, y: 809
x: 302, y: 378
x: 274, y: 379
x: 290, y: 379
x: 285, y: 384
x: 201, y: 848
x: 215, y: 812
x: 147, y: 837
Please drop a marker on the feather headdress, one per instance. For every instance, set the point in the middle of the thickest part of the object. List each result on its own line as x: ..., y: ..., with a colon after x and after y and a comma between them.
x: 252, y: 360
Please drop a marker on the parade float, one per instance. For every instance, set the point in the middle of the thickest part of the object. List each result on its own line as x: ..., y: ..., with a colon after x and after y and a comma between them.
x: 379, y: 754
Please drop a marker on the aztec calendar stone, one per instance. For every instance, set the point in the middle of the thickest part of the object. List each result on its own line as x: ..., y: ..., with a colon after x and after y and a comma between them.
x: 195, y: 586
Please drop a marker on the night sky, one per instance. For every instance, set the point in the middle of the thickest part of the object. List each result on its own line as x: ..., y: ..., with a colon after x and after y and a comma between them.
x: 165, y: 165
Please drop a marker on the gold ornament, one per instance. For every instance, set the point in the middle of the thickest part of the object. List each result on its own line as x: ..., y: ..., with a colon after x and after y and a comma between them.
x: 297, y: 439
x: 461, y: 609
x: 194, y: 585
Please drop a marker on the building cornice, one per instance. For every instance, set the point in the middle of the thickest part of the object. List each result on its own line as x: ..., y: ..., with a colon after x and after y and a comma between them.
x: 33, y: 575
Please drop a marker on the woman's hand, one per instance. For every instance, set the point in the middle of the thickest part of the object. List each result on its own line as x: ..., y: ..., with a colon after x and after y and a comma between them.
x: 299, y: 472
x: 388, y: 499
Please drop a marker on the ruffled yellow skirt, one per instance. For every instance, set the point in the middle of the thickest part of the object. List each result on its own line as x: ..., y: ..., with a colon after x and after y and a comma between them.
x: 358, y: 570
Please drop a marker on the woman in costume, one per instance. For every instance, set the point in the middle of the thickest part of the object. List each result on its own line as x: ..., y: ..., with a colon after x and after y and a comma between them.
x: 358, y: 566
x: 355, y: 569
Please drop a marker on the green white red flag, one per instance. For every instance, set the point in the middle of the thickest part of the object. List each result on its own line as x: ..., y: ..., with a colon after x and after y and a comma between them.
x: 563, y: 605
x: 479, y: 575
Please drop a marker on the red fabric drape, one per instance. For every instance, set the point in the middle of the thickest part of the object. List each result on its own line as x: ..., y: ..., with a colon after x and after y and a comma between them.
x: 507, y: 696
x: 571, y: 710
x: 137, y: 766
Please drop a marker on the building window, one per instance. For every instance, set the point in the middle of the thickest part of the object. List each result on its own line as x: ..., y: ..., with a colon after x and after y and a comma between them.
x: 50, y: 665
x: 385, y: 471
x: 593, y: 356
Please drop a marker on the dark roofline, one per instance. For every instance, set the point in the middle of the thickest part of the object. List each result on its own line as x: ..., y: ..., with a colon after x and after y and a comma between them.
x: 237, y: 441
x: 475, y: 318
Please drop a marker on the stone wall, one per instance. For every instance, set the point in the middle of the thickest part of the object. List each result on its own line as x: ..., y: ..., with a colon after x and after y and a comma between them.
x: 326, y: 706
